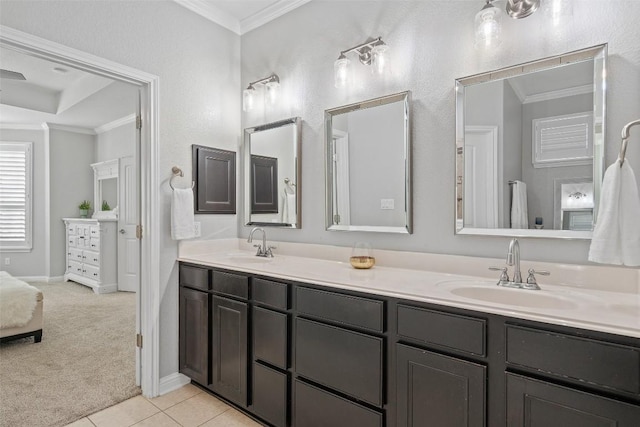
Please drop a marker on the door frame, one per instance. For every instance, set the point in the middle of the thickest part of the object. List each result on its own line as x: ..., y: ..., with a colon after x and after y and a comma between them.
x: 147, y: 313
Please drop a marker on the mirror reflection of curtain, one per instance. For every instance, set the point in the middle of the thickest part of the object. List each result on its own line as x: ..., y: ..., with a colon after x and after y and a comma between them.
x: 341, y: 182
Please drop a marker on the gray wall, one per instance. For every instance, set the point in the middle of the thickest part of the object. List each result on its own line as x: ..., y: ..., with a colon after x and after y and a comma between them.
x: 512, y: 150
x: 71, y: 182
x: 116, y: 143
x: 426, y: 59
x: 33, y: 263
x: 198, y: 66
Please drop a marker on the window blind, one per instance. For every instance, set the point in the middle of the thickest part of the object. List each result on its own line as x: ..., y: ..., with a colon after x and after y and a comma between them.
x: 15, y: 195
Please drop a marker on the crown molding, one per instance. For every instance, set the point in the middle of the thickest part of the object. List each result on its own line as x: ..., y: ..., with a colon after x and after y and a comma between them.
x: 22, y: 126
x: 562, y: 93
x: 269, y: 13
x: 74, y: 129
x: 209, y: 11
x: 115, y: 124
x: 212, y: 13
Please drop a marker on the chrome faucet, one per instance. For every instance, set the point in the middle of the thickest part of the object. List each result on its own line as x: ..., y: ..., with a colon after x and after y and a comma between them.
x: 513, y: 259
x: 263, y: 250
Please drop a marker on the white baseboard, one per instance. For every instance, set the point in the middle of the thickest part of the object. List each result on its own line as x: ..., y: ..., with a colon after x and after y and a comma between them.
x: 172, y: 382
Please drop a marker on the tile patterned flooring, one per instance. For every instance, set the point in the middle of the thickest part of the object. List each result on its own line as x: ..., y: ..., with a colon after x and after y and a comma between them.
x: 188, y: 406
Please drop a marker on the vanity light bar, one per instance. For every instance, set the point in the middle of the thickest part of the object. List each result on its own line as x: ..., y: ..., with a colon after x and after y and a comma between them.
x: 370, y: 53
x: 271, y: 84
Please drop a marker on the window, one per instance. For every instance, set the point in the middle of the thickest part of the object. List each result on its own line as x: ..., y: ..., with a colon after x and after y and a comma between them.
x: 15, y: 196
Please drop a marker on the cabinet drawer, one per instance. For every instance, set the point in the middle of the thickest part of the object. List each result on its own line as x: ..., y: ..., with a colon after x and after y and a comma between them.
x: 270, y: 395
x: 72, y: 241
x: 90, y: 257
x: 452, y: 331
x: 348, y: 310
x: 75, y: 254
x: 91, y: 272
x: 230, y: 284
x: 94, y: 231
x: 74, y: 267
x: 94, y: 244
x: 536, y: 403
x: 270, y: 337
x: 72, y: 229
x: 270, y: 293
x: 314, y: 407
x: 583, y: 360
x: 195, y: 277
x: 347, y: 361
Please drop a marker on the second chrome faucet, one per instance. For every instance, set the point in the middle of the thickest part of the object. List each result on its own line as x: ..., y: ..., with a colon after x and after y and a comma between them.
x: 263, y: 250
x: 513, y: 259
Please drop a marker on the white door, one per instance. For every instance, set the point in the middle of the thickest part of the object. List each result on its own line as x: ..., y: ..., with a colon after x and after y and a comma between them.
x: 128, y: 243
x: 341, y: 200
x: 481, y: 171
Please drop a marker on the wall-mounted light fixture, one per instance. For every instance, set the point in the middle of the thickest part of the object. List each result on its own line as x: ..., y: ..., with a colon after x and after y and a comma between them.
x: 370, y: 53
x: 249, y: 95
x: 489, y: 20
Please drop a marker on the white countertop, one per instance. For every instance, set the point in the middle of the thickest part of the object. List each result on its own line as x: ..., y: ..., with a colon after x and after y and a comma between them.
x: 616, y: 312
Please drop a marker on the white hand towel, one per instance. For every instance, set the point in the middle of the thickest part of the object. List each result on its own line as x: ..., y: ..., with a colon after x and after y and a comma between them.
x: 519, y: 212
x: 182, y: 218
x: 289, y: 208
x: 616, y: 236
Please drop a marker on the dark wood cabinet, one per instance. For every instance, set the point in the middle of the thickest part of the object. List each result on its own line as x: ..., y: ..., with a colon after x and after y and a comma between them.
x: 535, y: 403
x: 193, y: 334
x: 437, y: 390
x: 300, y: 355
x: 229, y: 349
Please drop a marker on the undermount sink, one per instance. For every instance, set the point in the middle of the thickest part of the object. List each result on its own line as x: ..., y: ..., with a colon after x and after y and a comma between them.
x: 490, y: 292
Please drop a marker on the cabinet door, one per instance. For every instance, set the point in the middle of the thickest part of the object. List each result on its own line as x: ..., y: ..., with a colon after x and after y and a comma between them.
x: 229, y: 349
x: 194, y: 342
x: 437, y: 390
x: 536, y: 403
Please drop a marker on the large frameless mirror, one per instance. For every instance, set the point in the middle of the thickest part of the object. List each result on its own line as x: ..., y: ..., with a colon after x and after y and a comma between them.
x: 272, y: 174
x: 530, y: 147
x: 368, y: 165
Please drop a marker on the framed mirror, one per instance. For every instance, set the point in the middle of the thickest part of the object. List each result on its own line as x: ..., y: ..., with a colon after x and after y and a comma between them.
x: 530, y: 147
x: 368, y: 165
x: 105, y: 189
x: 272, y: 174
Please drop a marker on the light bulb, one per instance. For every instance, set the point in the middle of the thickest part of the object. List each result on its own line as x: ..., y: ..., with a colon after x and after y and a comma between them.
x: 271, y: 92
x: 488, y: 26
x: 379, y: 58
x: 341, y: 71
x: 248, y: 98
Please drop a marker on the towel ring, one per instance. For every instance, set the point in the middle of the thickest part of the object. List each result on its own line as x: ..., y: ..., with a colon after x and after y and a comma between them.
x: 625, y: 139
x: 177, y: 172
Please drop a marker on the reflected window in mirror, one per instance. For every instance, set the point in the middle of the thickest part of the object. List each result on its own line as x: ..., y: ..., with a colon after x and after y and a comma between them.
x: 526, y: 137
x: 272, y: 174
x: 368, y: 166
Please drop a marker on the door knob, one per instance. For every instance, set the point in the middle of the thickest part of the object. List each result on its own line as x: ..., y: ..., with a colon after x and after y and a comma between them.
x: 122, y: 231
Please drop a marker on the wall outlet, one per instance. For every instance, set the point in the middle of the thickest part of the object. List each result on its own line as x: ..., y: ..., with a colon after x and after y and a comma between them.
x: 387, y: 204
x: 196, y: 229
x: 7, y: 261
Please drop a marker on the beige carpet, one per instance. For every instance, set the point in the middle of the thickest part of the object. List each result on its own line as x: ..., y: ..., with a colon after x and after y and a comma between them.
x: 85, y: 362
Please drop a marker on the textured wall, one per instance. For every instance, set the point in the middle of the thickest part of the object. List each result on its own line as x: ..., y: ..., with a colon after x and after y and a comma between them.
x: 198, y: 66
x: 431, y: 44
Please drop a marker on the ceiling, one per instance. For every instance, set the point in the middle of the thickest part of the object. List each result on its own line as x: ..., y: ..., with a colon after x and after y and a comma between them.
x: 241, y: 16
x: 61, y: 95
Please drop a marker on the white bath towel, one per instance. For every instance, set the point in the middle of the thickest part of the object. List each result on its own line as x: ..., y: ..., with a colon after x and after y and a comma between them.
x: 182, y: 218
x: 616, y: 236
x: 289, y: 207
x: 519, y: 212
x: 17, y: 301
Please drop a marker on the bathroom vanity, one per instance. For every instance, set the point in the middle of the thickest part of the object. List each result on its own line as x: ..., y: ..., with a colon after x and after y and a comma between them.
x: 392, y: 347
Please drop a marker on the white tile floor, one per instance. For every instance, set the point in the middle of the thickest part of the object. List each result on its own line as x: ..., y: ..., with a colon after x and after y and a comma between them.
x: 188, y: 406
